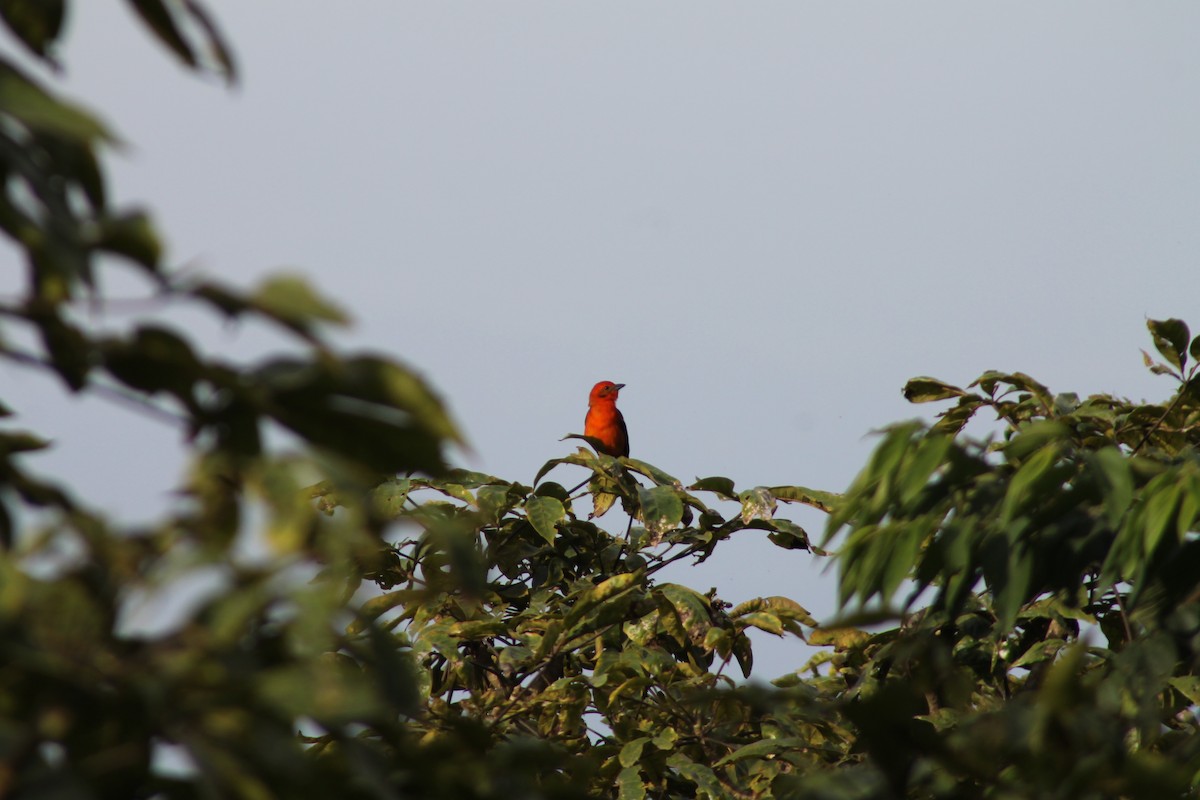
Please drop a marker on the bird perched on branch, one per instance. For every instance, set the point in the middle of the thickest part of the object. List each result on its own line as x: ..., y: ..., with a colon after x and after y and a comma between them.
x: 604, y: 422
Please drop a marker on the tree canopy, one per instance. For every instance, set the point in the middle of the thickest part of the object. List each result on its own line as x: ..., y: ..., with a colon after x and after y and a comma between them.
x: 1020, y: 610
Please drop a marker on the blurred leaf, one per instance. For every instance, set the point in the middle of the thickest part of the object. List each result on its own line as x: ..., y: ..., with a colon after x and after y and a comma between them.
x: 20, y: 442
x: 33, y: 107
x: 290, y: 299
x: 36, y: 23
x: 373, y: 608
x: 69, y: 349
x: 169, y: 21
x: 131, y: 235
x: 331, y: 689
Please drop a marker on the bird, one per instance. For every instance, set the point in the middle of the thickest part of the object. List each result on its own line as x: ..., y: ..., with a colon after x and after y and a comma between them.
x: 604, y: 422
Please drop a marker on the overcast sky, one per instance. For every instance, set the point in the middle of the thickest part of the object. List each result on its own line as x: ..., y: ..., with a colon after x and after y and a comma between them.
x: 763, y: 217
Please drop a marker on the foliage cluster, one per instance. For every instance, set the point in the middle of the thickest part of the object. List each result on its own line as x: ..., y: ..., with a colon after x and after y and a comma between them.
x: 1021, y: 612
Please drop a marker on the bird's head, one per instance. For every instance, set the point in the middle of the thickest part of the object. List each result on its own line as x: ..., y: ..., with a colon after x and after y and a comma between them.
x: 605, y: 391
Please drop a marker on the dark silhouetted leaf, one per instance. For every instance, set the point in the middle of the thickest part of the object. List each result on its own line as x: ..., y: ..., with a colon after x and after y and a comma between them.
x: 1170, y: 339
x: 926, y: 390
x: 36, y: 23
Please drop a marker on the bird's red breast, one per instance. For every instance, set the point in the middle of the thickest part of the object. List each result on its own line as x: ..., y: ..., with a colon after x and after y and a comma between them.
x: 604, y: 422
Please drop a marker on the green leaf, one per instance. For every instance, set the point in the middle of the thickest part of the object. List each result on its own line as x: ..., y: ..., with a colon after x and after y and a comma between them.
x: 1170, y: 339
x: 389, y: 497
x: 650, y: 471
x: 757, y: 503
x: 629, y: 784
x: 1160, y: 512
x: 926, y: 390
x: 1188, y: 686
x: 666, y: 739
x: 1041, y: 651
x: 1194, y: 349
x: 631, y: 751
x: 582, y: 457
x: 1030, y: 481
x: 763, y: 747
x: 744, y: 654
x: 699, y: 774
x: 690, y: 608
x: 926, y: 459
x: 822, y: 501
x: 763, y: 621
x: 722, y: 487
x: 840, y: 639
x: 602, y: 592
x: 1113, y: 466
x: 545, y: 513
x: 784, y: 607
x: 662, y: 510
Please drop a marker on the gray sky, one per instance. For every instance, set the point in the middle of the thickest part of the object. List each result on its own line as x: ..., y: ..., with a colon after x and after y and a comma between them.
x: 762, y: 217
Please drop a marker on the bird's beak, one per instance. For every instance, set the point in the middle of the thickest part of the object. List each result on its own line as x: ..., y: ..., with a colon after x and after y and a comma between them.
x: 618, y: 386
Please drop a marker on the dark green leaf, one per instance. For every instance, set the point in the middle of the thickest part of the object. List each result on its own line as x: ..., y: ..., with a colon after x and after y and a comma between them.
x: 722, y: 487
x: 160, y: 19
x: 1118, y: 481
x: 133, y: 236
x: 1170, y: 339
x: 33, y: 107
x: 702, y: 776
x: 36, y: 23
x: 926, y: 390
x: 21, y: 442
x: 545, y: 513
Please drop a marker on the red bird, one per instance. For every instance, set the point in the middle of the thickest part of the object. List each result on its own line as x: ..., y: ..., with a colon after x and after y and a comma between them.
x: 604, y: 421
